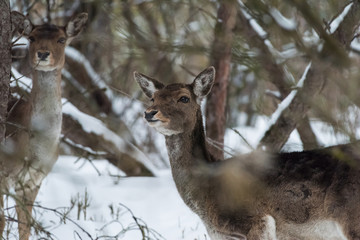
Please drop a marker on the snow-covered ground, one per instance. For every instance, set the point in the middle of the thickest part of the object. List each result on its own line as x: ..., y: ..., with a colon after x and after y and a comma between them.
x: 153, y: 201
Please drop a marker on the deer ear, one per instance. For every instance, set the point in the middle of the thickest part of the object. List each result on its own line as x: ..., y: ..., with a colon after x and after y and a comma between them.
x: 148, y: 85
x: 204, y: 82
x: 20, y: 23
x: 74, y: 26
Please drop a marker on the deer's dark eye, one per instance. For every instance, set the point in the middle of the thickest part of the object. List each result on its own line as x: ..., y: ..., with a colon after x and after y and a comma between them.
x: 152, y: 100
x: 184, y: 99
x: 31, y: 39
x: 62, y: 40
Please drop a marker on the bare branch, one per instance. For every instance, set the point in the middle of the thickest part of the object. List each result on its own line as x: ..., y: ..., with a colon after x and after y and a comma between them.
x: 276, y: 72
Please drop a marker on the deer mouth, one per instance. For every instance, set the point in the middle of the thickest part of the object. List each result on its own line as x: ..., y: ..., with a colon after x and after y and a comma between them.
x: 42, y: 62
x: 153, y: 120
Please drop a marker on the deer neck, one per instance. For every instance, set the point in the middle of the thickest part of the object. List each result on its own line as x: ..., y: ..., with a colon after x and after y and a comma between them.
x: 45, y: 117
x: 189, y: 160
x: 189, y: 149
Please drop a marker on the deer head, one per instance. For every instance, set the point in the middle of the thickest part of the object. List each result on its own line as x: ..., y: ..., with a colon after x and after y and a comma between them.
x: 47, y: 41
x: 175, y: 107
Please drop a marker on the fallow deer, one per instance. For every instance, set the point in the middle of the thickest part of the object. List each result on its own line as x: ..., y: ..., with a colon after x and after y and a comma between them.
x: 299, y: 195
x: 35, y: 145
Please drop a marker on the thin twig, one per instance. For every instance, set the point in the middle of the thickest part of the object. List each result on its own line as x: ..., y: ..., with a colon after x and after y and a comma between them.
x: 13, y: 107
x: 127, y: 95
x: 218, y: 146
x: 67, y: 218
x: 243, y: 138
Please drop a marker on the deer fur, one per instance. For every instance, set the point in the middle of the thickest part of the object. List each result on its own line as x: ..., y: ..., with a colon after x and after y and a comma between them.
x: 32, y: 146
x: 299, y: 195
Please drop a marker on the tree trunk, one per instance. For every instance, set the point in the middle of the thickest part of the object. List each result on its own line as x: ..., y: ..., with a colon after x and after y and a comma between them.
x: 221, y: 55
x: 5, y: 62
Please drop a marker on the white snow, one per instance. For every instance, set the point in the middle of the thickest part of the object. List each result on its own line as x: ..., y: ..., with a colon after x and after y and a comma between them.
x: 254, y: 24
x: 336, y: 22
x: 74, y: 54
x: 79, y: 146
x: 286, y: 102
x: 288, y: 24
x: 94, y: 125
x: 153, y: 200
x: 355, y: 45
x: 281, y: 56
x: 259, y: 30
x: 22, y: 81
x: 276, y: 94
x: 311, y: 38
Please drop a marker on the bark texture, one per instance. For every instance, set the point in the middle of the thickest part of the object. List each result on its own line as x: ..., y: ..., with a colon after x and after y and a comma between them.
x: 5, y: 62
x: 221, y: 55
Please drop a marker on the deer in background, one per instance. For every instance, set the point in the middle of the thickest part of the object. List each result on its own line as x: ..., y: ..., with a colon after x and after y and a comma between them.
x: 299, y: 195
x: 34, y: 147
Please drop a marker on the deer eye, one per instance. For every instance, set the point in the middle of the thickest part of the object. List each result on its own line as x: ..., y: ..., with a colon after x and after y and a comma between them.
x: 62, y: 40
x: 31, y: 39
x: 184, y: 99
x: 152, y: 100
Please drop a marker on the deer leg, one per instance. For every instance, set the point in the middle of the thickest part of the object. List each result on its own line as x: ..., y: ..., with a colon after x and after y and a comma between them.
x: 221, y: 235
x: 264, y: 229
x: 24, y: 206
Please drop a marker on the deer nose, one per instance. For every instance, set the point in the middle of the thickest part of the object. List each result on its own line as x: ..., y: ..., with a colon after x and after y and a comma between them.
x: 43, y: 55
x: 150, y: 115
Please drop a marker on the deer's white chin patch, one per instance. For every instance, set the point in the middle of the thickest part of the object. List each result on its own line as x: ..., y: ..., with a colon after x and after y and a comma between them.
x: 44, y: 66
x: 161, y: 127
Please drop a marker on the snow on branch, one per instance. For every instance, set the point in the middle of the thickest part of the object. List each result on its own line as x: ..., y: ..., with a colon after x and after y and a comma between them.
x: 286, y: 102
x: 254, y: 24
x: 283, y: 22
x: 355, y: 45
x: 96, y: 79
x: 281, y: 56
x: 74, y: 82
x: 17, y: 79
x: 288, y: 24
x: 83, y: 148
x: 337, y: 21
x: 94, y: 125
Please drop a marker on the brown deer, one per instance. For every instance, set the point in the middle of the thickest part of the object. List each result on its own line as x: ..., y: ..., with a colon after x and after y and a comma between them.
x: 299, y: 195
x: 34, y: 144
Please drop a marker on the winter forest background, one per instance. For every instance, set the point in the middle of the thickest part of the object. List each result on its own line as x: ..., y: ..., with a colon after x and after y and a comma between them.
x: 287, y: 79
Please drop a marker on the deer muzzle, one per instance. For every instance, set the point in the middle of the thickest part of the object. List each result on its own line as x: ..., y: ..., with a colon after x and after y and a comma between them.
x: 42, y: 56
x: 149, y: 116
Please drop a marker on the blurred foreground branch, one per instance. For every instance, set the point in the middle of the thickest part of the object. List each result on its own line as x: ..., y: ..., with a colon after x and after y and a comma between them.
x: 332, y: 58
